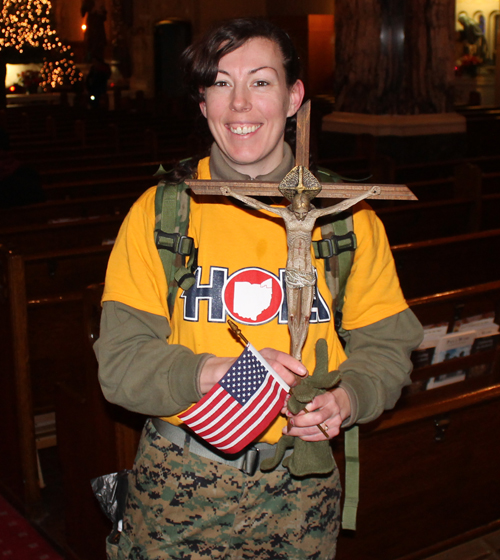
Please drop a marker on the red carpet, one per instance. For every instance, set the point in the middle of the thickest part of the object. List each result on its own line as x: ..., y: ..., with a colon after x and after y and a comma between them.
x: 19, y: 540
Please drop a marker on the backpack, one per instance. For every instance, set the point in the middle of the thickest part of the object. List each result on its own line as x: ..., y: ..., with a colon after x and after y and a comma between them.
x: 336, y: 248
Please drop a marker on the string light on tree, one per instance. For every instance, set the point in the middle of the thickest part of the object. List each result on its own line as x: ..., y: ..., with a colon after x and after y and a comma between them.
x: 25, y: 24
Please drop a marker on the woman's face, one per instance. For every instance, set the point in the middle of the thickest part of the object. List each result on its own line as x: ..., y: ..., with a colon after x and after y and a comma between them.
x: 248, y: 105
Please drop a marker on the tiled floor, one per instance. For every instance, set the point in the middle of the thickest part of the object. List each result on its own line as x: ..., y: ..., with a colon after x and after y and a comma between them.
x: 484, y: 548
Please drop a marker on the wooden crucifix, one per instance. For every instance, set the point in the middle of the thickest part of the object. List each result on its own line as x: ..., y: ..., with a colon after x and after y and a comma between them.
x: 300, y: 186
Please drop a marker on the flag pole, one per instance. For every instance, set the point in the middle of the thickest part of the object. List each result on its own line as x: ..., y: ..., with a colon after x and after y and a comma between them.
x: 237, y: 331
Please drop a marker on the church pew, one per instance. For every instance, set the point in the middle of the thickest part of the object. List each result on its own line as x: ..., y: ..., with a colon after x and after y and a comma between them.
x: 487, y: 164
x: 98, y: 187
x: 108, y: 444
x: 41, y: 319
x: 36, y: 123
x: 75, y: 150
x: 155, y: 140
x: 75, y: 233
x: 428, y: 220
x: 385, y: 170
x: 106, y: 171
x: 482, y: 134
x: 491, y: 182
x: 99, y: 158
x: 446, y: 207
x: 435, y: 455
x: 57, y: 210
x: 465, y: 182
x: 490, y: 211
x: 448, y: 263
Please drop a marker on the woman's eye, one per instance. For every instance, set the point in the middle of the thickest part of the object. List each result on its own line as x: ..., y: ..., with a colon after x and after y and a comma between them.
x: 220, y: 83
x: 261, y: 83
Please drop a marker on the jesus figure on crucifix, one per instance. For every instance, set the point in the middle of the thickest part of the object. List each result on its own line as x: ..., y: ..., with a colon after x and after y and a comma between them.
x: 299, y: 217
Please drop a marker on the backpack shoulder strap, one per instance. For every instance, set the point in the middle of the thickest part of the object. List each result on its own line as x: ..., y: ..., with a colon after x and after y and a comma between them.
x: 341, y: 240
x: 337, y: 249
x: 171, y: 227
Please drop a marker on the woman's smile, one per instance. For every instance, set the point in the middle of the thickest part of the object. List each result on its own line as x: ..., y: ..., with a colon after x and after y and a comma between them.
x: 243, y: 130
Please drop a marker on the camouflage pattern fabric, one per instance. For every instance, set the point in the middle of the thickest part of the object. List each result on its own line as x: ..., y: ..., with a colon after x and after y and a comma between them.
x: 183, y: 506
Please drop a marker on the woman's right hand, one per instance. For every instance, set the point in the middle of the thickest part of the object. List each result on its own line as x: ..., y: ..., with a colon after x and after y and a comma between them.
x: 286, y: 366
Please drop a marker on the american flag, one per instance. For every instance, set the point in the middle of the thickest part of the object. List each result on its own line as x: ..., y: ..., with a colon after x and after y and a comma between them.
x: 240, y: 406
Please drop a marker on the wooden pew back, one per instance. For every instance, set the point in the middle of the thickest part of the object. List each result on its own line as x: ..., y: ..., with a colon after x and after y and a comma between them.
x: 448, y: 263
x: 108, y: 445
x: 71, y: 234
x: 72, y: 209
x: 42, y: 312
x: 435, y: 454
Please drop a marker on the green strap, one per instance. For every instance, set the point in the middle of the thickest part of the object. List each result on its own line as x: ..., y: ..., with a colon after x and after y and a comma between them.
x: 346, y: 258
x: 351, y: 435
x: 337, y: 270
x: 338, y: 267
x: 351, y: 493
x: 172, y: 217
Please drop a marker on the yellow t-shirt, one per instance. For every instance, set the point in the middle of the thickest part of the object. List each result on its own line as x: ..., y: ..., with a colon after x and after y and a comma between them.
x: 242, y: 259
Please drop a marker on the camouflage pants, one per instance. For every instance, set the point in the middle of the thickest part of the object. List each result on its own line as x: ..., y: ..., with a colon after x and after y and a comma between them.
x: 181, y: 505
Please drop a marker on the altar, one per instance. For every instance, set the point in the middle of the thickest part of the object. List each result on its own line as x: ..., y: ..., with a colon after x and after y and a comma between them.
x: 476, y: 90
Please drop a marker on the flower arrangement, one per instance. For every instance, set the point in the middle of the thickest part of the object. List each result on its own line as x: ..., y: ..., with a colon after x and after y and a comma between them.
x: 30, y: 79
x: 468, y: 64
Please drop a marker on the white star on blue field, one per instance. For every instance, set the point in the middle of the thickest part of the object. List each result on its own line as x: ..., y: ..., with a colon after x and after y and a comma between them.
x: 244, y: 378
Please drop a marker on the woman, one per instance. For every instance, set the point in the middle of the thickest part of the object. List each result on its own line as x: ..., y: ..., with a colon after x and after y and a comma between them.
x: 185, y: 500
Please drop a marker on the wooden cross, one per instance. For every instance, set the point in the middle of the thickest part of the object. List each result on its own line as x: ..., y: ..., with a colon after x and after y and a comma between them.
x: 328, y: 190
x: 300, y: 187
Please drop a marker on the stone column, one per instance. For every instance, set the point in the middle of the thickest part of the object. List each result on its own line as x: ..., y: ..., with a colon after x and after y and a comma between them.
x: 394, y: 68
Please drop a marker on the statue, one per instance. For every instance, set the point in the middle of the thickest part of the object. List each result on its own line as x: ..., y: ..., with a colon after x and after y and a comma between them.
x: 300, y: 187
x: 473, y: 35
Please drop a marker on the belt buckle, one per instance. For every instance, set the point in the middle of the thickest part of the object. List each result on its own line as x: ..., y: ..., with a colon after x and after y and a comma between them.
x: 251, y: 461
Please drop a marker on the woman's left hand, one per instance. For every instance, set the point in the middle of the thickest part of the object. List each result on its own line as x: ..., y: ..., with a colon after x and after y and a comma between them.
x: 328, y: 410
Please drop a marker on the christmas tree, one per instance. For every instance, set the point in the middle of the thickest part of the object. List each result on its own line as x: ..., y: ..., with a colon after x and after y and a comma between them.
x: 27, y: 35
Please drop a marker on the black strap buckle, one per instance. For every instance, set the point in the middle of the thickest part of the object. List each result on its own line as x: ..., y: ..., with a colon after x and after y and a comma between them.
x: 251, y: 461
x: 174, y: 242
x: 327, y: 248
x: 338, y: 320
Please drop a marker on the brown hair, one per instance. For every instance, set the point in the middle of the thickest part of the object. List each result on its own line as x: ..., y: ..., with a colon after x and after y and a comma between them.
x: 201, y: 59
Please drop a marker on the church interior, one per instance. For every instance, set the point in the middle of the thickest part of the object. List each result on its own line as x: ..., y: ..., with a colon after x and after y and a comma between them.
x: 403, y: 92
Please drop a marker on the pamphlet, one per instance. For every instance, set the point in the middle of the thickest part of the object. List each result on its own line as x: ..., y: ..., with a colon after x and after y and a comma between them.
x: 454, y: 345
x: 424, y: 354
x: 472, y: 334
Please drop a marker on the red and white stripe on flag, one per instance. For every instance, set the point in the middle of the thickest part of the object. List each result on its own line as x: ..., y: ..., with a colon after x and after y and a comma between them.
x: 240, y: 406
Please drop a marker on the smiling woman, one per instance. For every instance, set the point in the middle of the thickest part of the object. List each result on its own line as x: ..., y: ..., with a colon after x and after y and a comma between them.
x: 159, y: 355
